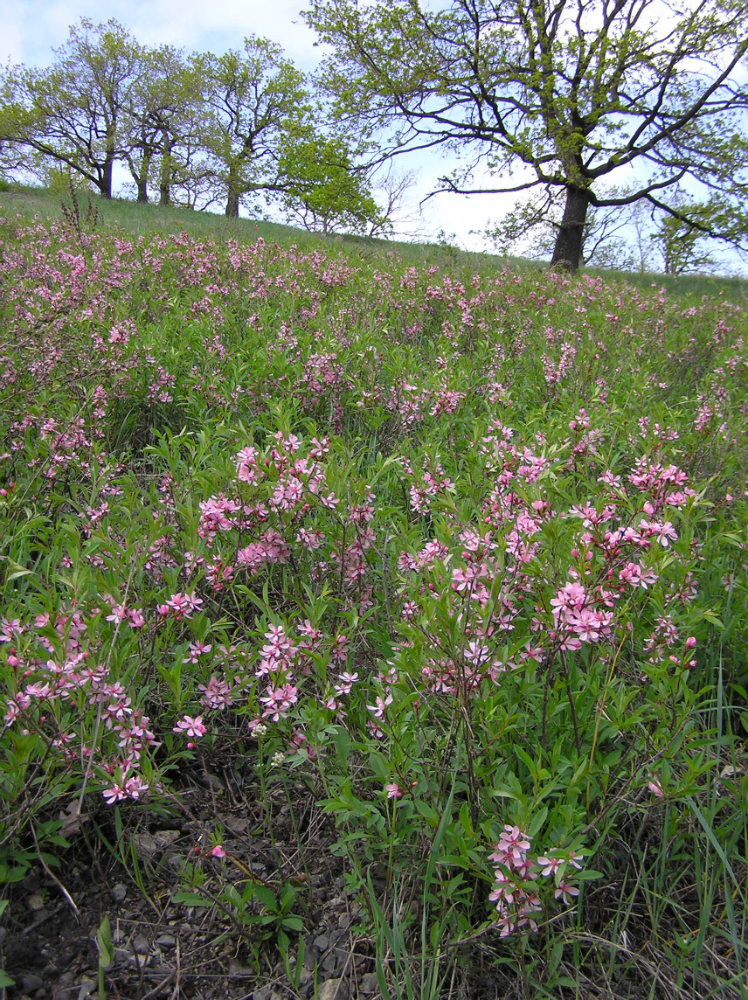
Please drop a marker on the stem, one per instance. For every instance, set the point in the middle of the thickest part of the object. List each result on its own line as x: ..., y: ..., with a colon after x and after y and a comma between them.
x: 97, y: 729
x: 575, y: 726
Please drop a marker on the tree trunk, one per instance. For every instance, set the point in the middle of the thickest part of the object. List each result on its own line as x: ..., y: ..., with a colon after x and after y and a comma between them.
x: 164, y: 177
x: 141, y: 179
x: 232, y: 204
x: 567, y: 253
x: 105, y: 178
x: 232, y: 198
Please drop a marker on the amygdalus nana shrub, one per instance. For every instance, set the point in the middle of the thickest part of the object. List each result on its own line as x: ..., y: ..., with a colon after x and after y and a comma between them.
x: 460, y: 553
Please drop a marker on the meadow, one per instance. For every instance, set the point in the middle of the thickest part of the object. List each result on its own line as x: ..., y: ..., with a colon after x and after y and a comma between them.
x: 373, y: 619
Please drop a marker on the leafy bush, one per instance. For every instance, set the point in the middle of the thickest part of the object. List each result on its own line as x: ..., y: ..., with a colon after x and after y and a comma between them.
x: 461, y: 553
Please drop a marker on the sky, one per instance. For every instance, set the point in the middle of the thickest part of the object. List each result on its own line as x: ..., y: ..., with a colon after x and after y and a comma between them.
x: 31, y: 29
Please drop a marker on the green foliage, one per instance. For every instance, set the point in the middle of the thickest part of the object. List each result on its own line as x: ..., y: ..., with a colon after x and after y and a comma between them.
x: 324, y: 192
x: 261, y: 911
x: 436, y: 549
x: 683, y: 247
x: 75, y: 112
x: 251, y: 98
x: 241, y: 127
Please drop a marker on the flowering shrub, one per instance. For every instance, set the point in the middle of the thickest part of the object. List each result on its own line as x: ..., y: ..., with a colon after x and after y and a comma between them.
x: 464, y: 552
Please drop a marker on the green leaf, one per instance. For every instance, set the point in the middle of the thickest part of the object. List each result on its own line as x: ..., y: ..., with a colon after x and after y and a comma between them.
x: 265, y: 897
x: 427, y: 811
x: 17, y: 570
x: 104, y: 943
x: 191, y: 899
x: 537, y: 821
x: 713, y: 618
x: 379, y: 765
x: 711, y: 837
x: 342, y: 744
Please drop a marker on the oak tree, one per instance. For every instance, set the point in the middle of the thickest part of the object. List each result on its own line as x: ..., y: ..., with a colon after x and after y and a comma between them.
x: 251, y: 97
x: 163, y: 112
x: 75, y: 111
x: 323, y: 190
x: 558, y: 93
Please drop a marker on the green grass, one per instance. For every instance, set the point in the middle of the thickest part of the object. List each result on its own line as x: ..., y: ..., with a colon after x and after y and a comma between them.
x: 139, y: 219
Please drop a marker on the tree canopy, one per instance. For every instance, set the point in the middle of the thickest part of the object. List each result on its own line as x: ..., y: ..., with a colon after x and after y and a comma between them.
x: 75, y: 111
x: 202, y: 127
x: 252, y: 98
x: 560, y: 94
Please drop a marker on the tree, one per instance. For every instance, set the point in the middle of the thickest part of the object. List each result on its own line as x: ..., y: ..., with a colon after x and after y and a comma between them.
x: 684, y: 248
x: 391, y: 188
x: 74, y: 112
x: 15, y: 162
x: 567, y: 91
x: 251, y: 98
x: 164, y: 107
x: 613, y: 237
x: 323, y: 191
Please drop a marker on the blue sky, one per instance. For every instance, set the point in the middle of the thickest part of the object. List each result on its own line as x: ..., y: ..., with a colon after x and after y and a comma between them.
x: 32, y: 28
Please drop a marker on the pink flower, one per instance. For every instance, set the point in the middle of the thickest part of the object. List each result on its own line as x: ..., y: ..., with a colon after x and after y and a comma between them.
x: 246, y: 465
x: 550, y: 865
x: 572, y: 596
x: 655, y: 787
x: 197, y: 649
x: 345, y: 685
x: 216, y: 694
x: 217, y: 852
x: 114, y: 794
x: 193, y: 728
x: 565, y: 892
x: 135, y: 787
x: 182, y: 605
x: 135, y: 618
x: 380, y: 705
x: 278, y: 701
x: 512, y: 847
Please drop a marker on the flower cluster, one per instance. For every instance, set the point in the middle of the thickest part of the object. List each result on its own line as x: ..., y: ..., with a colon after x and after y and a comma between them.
x: 517, y: 878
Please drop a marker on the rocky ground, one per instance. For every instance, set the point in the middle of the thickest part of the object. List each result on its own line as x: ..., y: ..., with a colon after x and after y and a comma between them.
x: 131, y: 874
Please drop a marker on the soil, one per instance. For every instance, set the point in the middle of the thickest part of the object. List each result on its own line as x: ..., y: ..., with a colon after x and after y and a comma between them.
x: 165, y: 948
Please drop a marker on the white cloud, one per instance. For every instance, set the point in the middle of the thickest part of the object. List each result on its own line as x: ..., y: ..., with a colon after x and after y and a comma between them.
x: 11, y: 44
x: 32, y: 29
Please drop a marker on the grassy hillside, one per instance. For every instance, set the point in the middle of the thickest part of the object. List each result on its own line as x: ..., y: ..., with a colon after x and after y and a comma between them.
x: 373, y: 618
x: 152, y: 219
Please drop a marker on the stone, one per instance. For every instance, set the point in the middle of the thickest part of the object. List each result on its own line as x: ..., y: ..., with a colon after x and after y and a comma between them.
x: 119, y: 892
x: 238, y: 971
x: 141, y: 944
x: 333, y: 989
x: 30, y: 983
x: 369, y: 983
